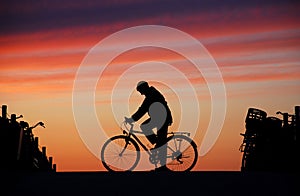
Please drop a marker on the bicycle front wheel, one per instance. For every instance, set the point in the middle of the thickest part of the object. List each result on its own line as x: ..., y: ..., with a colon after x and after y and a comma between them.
x: 120, y: 153
x: 182, y: 153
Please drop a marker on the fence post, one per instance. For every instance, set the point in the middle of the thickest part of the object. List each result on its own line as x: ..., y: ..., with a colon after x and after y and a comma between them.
x: 285, y: 119
x: 20, y: 143
x: 297, y: 118
x: 36, y: 142
x: 4, y: 111
x: 50, y: 162
x: 44, y: 151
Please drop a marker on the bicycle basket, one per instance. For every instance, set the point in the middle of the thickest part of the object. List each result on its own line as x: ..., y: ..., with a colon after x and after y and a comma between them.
x: 255, y: 119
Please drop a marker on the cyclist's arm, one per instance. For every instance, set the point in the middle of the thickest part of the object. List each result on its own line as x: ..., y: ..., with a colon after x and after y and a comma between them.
x: 143, y: 109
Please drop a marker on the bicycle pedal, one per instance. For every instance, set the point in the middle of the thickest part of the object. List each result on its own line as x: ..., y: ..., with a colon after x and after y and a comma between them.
x: 149, y: 146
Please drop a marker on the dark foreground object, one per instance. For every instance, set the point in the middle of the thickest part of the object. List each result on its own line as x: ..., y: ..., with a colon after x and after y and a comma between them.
x: 148, y: 183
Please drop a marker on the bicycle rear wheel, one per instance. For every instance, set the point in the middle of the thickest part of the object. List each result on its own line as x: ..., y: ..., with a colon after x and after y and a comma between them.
x: 120, y: 153
x: 182, y: 153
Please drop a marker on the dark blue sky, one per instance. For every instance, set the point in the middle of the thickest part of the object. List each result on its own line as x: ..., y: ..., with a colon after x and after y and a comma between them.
x: 34, y: 15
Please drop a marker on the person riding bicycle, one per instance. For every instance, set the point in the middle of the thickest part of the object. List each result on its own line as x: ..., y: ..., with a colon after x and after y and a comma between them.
x: 160, y: 118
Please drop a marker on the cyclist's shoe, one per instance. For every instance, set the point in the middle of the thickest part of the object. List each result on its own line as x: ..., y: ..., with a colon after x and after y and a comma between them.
x: 162, y: 169
x: 154, y: 150
x: 154, y: 156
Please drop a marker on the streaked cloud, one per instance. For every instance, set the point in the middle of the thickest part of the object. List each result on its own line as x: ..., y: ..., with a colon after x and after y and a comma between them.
x: 256, y: 45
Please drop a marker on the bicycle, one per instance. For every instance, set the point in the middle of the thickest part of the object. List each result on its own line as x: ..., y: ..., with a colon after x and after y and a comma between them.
x: 267, y: 137
x: 122, y: 152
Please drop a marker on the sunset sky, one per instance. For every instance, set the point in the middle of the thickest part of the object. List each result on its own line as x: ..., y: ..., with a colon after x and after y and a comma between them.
x: 255, y: 44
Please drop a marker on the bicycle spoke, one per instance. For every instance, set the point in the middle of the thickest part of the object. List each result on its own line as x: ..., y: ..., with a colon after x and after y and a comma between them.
x: 182, y: 153
x: 175, y: 145
x: 168, y: 147
x: 180, y: 141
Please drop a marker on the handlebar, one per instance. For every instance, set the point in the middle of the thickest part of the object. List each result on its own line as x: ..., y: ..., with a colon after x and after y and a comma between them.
x: 281, y: 113
x: 124, y: 123
x: 38, y: 124
x: 21, y: 116
x: 26, y: 125
x: 131, y: 124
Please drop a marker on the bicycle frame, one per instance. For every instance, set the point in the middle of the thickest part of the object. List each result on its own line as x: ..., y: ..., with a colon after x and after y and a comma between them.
x: 130, y: 133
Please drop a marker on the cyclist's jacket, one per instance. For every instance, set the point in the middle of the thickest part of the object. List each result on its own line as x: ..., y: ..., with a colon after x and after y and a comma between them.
x: 151, y: 96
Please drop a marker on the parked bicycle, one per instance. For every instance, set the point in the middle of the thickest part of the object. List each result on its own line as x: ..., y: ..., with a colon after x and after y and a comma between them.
x: 122, y: 152
x: 266, y: 138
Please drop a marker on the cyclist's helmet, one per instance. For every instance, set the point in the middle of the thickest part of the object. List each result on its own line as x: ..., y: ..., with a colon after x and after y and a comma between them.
x: 142, y: 86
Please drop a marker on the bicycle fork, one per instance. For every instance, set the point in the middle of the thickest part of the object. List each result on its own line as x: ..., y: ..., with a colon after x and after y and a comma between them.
x: 126, y: 144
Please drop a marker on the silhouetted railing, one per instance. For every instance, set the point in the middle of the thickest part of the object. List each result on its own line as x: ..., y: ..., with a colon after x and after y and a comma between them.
x: 20, y: 148
x: 269, y: 143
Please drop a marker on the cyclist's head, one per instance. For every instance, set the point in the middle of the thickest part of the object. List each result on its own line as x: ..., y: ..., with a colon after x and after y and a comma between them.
x: 142, y: 87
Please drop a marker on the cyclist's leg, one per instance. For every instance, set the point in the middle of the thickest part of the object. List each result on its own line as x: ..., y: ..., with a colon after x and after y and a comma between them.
x: 161, y: 141
x: 147, y: 128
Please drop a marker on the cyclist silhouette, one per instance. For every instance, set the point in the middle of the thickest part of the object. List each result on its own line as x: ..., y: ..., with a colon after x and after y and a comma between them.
x: 160, y: 118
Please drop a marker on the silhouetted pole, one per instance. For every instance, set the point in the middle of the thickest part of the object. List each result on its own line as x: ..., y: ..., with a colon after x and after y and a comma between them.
x: 20, y: 143
x: 4, y: 111
x: 36, y: 142
x: 44, y: 151
x: 50, y: 162
x: 285, y: 119
x: 297, y: 118
x: 54, y: 167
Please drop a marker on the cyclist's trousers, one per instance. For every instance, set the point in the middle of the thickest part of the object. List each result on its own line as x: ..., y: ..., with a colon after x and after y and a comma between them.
x: 160, y: 139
